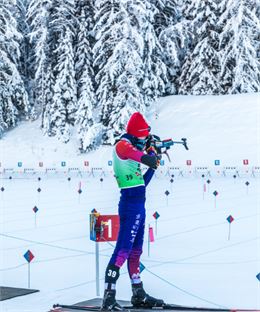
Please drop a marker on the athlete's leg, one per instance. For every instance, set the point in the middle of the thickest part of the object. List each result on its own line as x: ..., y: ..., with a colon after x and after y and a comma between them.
x: 129, y: 227
x: 133, y: 261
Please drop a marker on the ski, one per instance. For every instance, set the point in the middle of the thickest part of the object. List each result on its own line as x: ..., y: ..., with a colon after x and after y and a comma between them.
x: 75, y: 307
x: 173, y: 307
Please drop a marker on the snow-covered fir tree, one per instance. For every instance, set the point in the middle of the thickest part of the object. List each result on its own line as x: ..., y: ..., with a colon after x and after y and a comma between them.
x: 20, y: 10
x: 155, y: 72
x: 62, y: 111
x: 64, y: 99
x: 168, y: 14
x: 87, y: 121
x: 175, y: 43
x: 174, y: 38
x: 118, y: 56
x: 239, y: 44
x: 200, y: 71
x: 13, y: 95
x: 257, y: 37
x: 38, y: 19
x: 46, y: 118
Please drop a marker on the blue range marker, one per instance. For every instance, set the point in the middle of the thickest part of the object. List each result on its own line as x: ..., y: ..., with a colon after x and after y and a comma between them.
x: 141, y: 267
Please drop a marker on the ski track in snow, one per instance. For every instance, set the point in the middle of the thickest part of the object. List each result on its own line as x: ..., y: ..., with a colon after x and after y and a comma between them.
x: 191, y: 250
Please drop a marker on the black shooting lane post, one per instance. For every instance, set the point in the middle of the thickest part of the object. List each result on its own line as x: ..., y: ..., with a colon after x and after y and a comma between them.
x: 167, y: 193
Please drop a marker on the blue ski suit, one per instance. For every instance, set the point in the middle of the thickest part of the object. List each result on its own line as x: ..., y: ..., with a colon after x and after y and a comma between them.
x: 133, y: 185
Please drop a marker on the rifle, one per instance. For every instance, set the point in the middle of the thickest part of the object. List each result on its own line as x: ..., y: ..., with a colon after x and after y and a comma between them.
x: 162, y: 146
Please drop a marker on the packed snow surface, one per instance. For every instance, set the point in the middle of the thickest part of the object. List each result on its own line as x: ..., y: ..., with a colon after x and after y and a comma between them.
x: 198, y: 258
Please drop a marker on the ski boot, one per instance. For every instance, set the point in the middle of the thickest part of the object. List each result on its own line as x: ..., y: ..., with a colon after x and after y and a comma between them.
x: 141, y: 299
x: 109, y: 301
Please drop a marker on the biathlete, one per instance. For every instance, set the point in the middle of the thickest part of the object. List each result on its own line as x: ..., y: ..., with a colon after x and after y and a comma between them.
x: 129, y: 152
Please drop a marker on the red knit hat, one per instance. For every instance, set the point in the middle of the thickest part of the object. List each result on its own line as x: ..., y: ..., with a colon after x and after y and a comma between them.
x: 137, y: 126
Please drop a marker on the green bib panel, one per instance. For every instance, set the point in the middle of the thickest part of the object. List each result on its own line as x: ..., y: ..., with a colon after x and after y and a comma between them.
x: 127, y: 172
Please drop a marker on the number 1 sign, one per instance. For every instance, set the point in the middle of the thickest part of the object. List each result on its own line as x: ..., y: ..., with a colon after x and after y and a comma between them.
x: 106, y: 228
x: 102, y: 229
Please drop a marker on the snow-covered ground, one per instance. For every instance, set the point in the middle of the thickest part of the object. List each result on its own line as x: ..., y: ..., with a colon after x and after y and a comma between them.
x: 191, y: 262
x: 217, y: 127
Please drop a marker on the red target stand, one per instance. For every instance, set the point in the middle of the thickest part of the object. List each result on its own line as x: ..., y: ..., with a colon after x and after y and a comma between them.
x: 103, y: 228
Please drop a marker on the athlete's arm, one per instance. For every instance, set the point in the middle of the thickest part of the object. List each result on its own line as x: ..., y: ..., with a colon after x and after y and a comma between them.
x: 126, y: 150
